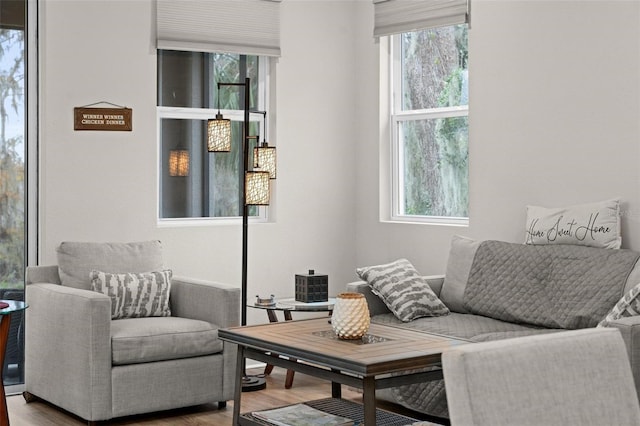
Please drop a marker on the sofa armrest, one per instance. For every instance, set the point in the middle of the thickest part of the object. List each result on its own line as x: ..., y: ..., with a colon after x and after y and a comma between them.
x: 68, y: 344
x: 376, y: 305
x: 435, y: 282
x: 630, y: 329
x: 213, y: 302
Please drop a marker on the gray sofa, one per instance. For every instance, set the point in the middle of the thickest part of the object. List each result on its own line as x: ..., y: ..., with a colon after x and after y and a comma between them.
x: 497, y: 290
x: 82, y: 360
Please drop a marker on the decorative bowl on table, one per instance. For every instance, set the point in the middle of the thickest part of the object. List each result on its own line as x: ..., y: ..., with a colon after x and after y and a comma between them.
x: 267, y: 301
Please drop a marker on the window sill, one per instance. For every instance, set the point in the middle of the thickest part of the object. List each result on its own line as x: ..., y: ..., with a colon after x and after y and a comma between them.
x: 206, y: 222
x: 429, y: 220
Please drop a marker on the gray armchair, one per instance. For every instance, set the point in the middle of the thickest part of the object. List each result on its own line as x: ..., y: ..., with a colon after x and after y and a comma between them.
x: 81, y: 360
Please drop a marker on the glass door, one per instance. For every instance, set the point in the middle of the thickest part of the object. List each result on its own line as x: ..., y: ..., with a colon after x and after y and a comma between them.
x: 13, y: 175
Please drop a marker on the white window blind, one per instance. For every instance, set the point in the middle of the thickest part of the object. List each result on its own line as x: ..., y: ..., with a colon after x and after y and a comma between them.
x: 399, y: 16
x: 250, y: 27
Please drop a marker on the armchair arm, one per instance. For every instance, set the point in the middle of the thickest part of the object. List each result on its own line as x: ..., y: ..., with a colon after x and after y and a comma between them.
x: 215, y: 303
x: 630, y: 329
x: 205, y: 300
x: 68, y: 345
x: 42, y: 274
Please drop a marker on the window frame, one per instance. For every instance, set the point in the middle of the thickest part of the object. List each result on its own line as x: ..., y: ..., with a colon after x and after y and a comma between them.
x: 398, y: 116
x: 186, y: 113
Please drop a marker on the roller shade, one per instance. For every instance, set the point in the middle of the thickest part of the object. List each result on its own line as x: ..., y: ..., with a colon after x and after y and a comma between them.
x: 399, y: 16
x: 250, y: 27
x: 12, y: 14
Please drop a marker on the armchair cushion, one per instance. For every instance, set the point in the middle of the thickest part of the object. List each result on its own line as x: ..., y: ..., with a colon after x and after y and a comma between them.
x: 77, y: 259
x: 138, y: 340
x: 135, y: 295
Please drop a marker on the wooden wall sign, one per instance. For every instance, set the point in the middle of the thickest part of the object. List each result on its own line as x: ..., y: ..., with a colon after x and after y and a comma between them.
x: 102, y: 119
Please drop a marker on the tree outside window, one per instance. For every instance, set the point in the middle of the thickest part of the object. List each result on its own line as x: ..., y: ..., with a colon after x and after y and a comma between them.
x: 430, y: 118
x: 12, y: 179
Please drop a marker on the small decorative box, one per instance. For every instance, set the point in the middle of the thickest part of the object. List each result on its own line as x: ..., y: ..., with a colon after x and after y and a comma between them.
x: 312, y: 287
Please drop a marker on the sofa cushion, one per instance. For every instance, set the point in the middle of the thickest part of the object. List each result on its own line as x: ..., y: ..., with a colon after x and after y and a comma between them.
x: 464, y: 326
x: 138, y: 340
x: 593, y: 224
x: 137, y: 295
x: 405, y: 292
x: 555, y: 286
x: 458, y: 266
x: 77, y: 259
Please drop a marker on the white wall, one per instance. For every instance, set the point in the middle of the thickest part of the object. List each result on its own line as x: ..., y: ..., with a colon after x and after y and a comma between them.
x: 554, y: 120
x: 101, y: 186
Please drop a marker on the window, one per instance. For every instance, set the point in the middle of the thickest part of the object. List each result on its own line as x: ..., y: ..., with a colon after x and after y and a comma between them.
x: 429, y: 119
x: 193, y: 182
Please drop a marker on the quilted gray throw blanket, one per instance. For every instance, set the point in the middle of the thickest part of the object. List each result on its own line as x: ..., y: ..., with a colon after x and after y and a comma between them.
x: 555, y: 286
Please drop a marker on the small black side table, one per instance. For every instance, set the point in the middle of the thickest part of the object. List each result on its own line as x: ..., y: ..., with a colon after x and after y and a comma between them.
x: 287, y: 306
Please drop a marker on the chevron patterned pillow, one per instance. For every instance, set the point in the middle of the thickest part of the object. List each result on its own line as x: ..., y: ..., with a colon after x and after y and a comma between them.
x: 628, y: 306
x: 405, y: 292
x: 135, y: 295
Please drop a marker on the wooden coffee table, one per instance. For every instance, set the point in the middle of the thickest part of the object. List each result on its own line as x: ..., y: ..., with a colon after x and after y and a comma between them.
x: 386, y: 357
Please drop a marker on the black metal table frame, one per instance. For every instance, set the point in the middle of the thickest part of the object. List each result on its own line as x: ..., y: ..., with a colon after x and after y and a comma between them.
x: 337, y: 375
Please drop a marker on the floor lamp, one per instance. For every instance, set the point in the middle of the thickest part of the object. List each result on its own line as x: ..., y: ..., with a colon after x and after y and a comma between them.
x: 254, y: 188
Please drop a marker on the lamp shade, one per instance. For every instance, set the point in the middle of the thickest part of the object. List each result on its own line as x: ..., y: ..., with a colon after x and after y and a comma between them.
x: 256, y: 187
x: 178, y: 162
x: 264, y: 158
x: 219, y: 134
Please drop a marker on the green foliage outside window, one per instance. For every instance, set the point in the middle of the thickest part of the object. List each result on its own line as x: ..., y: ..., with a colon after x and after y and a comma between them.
x: 435, y: 75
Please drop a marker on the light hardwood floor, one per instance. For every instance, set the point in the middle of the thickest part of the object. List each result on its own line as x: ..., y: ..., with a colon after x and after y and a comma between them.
x: 304, y: 388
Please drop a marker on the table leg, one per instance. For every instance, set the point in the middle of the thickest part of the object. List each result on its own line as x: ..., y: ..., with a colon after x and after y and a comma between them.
x: 271, y: 313
x: 289, y: 380
x: 238, y: 390
x: 369, y: 400
x: 5, y: 322
x: 336, y: 388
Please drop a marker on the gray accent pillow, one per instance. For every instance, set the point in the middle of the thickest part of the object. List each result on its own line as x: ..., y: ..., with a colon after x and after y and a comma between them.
x: 405, y: 292
x: 77, y: 259
x: 135, y: 295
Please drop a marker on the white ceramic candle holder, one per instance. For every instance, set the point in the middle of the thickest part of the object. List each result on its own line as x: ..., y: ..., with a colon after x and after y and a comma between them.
x: 350, y: 318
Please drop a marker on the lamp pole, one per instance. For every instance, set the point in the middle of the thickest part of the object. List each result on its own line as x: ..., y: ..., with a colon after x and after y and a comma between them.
x: 243, y: 198
x: 249, y: 383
